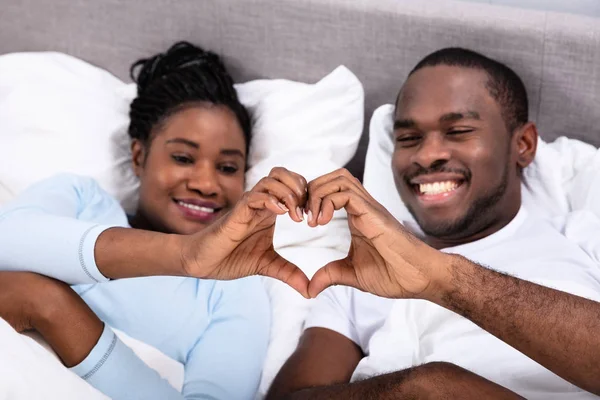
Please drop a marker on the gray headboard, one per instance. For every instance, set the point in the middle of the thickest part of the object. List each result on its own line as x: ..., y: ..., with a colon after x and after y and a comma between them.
x: 557, y: 55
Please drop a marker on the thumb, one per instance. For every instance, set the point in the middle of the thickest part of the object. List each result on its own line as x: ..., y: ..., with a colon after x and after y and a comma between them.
x: 287, y: 272
x: 338, y: 272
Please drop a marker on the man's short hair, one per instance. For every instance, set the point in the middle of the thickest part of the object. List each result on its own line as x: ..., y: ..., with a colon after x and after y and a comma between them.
x: 504, y: 85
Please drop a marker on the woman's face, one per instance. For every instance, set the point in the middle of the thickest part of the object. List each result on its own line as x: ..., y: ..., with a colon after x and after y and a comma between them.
x: 192, y: 171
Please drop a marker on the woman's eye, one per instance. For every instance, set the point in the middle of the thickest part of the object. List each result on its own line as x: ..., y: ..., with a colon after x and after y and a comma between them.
x: 180, y: 159
x: 229, y: 169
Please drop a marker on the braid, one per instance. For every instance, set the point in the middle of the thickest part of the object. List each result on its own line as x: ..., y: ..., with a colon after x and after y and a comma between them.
x: 184, y: 75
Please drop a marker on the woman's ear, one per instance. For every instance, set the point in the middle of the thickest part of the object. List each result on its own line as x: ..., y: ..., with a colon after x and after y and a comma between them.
x: 138, y: 156
x: 526, y: 139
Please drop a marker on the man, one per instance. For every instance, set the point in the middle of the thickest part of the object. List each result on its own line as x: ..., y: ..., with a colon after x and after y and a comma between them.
x: 462, y: 139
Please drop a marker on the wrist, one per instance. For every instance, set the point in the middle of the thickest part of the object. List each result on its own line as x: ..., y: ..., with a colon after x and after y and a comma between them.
x: 192, y: 255
x: 452, y: 279
x: 442, y: 278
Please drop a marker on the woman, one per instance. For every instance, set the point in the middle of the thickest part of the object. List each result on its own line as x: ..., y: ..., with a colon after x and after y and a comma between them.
x: 190, y: 138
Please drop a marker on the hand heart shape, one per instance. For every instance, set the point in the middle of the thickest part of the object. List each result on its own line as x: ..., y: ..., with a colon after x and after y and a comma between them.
x: 384, y: 258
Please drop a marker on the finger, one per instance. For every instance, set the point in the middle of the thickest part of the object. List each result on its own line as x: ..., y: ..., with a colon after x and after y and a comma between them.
x: 285, y: 194
x: 338, y: 173
x: 339, y: 272
x: 337, y: 181
x: 294, y: 181
x: 264, y: 201
x: 353, y: 203
x: 287, y: 272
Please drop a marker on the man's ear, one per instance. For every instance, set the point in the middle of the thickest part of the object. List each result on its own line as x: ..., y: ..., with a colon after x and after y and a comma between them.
x: 525, y: 139
x: 138, y: 156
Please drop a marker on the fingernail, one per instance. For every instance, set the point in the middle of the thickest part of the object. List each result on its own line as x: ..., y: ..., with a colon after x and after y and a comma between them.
x: 299, y: 213
x: 283, y: 207
x: 320, y: 215
x: 310, y: 216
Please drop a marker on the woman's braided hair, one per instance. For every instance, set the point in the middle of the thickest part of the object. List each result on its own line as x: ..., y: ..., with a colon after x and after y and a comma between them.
x: 183, y: 76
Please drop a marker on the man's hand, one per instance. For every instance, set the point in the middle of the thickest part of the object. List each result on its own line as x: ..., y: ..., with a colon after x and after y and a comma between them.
x: 29, y: 301
x: 241, y: 243
x: 384, y: 258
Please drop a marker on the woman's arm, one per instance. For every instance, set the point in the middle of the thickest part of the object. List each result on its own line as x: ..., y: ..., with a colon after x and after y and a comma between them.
x: 51, y: 228
x: 80, y: 339
x: 70, y: 229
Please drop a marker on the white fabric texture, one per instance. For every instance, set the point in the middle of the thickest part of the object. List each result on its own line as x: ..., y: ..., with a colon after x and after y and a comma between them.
x: 60, y: 114
x: 418, y: 332
x: 316, y: 131
x: 31, y: 370
x: 564, y: 177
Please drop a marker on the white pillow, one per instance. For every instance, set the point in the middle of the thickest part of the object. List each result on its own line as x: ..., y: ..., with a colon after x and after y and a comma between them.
x: 564, y: 177
x: 58, y: 113
x: 311, y: 130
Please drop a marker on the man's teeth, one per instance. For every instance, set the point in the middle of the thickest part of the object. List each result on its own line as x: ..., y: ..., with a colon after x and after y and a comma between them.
x: 438, y: 187
x: 197, y: 208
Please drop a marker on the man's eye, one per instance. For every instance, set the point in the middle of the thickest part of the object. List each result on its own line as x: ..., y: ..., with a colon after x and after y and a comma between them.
x: 407, y: 140
x: 459, y: 131
x: 184, y: 160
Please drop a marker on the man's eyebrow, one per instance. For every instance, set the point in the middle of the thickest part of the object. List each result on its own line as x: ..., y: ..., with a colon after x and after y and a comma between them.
x: 457, y: 116
x: 404, y: 124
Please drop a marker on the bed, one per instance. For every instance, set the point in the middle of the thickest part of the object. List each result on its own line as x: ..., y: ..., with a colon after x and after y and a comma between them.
x: 557, y: 55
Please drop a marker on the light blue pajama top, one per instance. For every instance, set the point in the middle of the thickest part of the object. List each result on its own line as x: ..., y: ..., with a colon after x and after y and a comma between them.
x: 218, y: 330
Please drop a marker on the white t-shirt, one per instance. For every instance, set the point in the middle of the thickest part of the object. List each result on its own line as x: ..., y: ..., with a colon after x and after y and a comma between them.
x: 398, y: 334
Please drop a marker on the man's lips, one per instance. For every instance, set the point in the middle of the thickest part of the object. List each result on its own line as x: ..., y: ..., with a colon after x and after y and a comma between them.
x: 436, y: 177
x: 436, y: 188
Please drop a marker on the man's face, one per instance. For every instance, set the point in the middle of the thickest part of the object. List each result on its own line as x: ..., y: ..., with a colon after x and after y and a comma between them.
x: 453, y: 161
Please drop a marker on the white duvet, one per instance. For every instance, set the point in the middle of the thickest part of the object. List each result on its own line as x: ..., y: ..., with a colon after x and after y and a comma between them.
x: 565, y: 177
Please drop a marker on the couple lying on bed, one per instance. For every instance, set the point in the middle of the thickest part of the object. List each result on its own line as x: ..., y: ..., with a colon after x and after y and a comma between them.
x: 462, y: 139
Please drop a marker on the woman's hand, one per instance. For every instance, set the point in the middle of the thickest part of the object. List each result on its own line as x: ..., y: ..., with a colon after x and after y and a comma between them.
x: 240, y: 244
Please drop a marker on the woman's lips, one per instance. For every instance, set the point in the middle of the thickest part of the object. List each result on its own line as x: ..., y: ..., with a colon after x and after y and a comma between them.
x: 199, y: 211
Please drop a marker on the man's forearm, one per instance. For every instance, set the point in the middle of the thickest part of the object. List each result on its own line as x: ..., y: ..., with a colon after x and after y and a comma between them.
x: 434, y: 380
x: 129, y: 253
x: 554, y: 328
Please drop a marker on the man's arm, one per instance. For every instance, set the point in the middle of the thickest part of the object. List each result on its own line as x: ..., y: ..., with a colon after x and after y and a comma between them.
x: 323, y: 357
x: 429, y: 381
x: 557, y: 329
